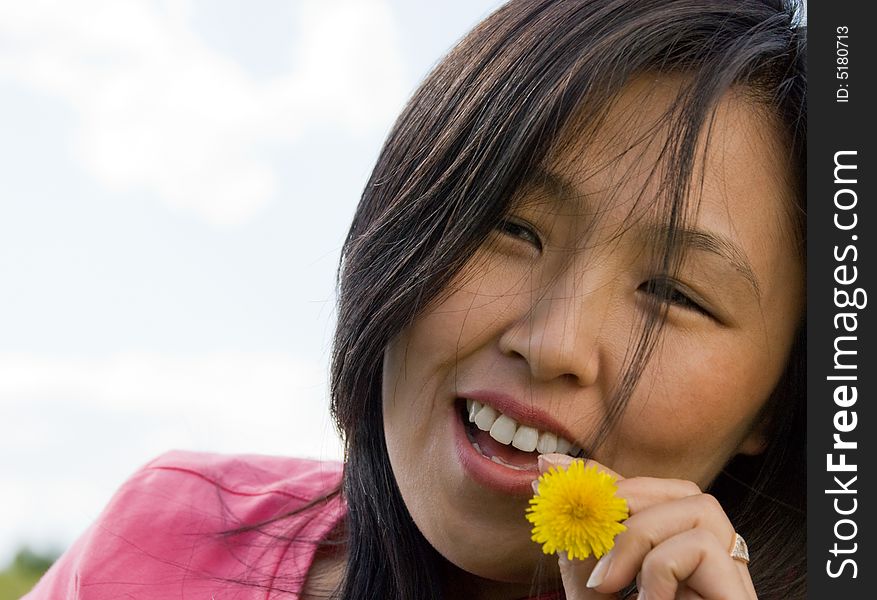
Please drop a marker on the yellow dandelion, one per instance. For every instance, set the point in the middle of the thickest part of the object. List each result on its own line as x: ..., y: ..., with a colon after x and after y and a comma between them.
x: 576, y: 511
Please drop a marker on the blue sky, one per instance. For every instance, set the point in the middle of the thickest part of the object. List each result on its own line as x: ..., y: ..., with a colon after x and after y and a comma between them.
x: 176, y: 180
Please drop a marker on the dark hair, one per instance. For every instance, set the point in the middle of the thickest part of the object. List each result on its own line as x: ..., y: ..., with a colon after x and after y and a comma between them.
x: 471, y: 136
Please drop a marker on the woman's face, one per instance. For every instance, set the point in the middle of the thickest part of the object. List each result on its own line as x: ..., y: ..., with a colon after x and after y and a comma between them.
x: 537, y: 327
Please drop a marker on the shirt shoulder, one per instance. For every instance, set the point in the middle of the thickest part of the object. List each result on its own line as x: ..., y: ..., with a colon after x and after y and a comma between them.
x: 244, y: 474
x: 192, y: 524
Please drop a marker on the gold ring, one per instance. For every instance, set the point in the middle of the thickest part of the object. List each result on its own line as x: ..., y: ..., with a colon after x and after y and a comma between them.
x: 740, y: 551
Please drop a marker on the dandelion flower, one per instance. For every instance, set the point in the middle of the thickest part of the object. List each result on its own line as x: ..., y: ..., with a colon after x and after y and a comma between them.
x: 576, y: 511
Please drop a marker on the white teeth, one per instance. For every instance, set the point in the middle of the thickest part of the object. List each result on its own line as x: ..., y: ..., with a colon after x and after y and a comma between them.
x: 525, y: 438
x: 563, y: 446
x: 547, y: 443
x: 503, y: 429
x: 486, y: 418
x: 472, y: 407
x: 506, y: 430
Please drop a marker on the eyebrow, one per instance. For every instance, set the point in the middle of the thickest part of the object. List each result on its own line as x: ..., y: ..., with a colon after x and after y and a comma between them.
x: 718, y: 244
x: 698, y: 239
x: 557, y: 185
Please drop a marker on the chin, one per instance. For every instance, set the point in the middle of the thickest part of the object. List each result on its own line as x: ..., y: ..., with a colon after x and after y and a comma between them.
x: 524, y: 573
x: 507, y: 557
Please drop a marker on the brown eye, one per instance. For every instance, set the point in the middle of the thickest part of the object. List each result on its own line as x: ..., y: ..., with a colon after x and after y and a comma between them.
x: 522, y: 231
x: 668, y: 291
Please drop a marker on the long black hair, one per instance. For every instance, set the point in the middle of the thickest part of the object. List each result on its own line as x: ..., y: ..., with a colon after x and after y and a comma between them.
x: 470, y: 137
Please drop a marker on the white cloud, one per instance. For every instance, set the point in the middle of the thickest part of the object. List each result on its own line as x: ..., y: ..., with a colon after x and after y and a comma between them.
x: 72, y: 429
x: 228, y: 401
x: 158, y: 109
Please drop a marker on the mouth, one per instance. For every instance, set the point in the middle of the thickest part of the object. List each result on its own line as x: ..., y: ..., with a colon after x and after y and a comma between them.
x: 504, y: 441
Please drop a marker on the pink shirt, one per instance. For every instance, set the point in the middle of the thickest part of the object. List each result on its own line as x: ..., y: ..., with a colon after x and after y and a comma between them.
x: 156, y: 539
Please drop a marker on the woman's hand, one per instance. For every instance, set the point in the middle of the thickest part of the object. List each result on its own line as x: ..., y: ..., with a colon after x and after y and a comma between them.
x: 677, y: 546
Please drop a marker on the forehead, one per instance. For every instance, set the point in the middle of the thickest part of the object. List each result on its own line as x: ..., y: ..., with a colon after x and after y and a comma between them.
x: 741, y: 181
x: 740, y: 163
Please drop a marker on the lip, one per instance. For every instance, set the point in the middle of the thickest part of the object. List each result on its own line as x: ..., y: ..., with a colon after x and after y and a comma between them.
x: 484, y: 471
x: 522, y: 413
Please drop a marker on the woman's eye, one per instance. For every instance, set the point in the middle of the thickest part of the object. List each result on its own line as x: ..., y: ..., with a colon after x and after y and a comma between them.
x: 667, y: 291
x: 521, y: 231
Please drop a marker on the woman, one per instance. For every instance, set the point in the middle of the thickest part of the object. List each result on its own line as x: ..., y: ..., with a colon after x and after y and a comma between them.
x: 583, y: 237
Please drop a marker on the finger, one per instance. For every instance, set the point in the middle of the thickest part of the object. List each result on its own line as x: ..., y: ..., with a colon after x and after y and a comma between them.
x: 562, y: 461
x: 686, y: 593
x: 652, y: 526
x: 574, y: 575
x: 697, y: 558
x: 643, y: 492
x: 640, y: 492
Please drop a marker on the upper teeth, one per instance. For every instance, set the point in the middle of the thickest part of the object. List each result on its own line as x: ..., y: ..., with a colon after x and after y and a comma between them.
x: 506, y: 430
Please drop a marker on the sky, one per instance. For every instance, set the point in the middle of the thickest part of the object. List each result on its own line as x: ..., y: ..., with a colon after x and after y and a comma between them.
x: 176, y: 181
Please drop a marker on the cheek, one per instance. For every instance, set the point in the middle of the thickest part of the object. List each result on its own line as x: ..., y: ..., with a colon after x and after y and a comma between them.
x: 419, y: 364
x: 409, y: 385
x: 412, y: 413
x: 696, y: 401
x: 476, y: 306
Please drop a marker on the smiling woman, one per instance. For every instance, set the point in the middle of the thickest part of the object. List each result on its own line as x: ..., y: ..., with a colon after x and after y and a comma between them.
x: 534, y: 329
x: 583, y: 239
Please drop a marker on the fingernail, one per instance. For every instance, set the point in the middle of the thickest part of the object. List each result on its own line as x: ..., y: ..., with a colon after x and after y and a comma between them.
x: 535, y: 485
x: 546, y: 461
x: 541, y: 462
x: 598, y: 575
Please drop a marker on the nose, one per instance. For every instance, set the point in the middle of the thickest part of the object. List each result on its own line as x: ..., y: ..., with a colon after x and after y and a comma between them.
x: 559, y: 332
